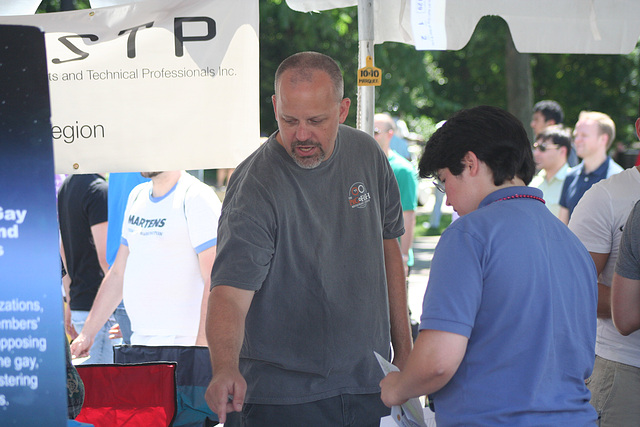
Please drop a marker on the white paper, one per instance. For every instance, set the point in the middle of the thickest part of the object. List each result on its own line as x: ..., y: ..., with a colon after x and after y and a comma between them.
x: 410, y: 413
x: 429, y: 419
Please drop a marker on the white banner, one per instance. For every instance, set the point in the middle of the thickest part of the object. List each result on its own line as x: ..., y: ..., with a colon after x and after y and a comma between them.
x: 153, y: 85
x: 427, y: 22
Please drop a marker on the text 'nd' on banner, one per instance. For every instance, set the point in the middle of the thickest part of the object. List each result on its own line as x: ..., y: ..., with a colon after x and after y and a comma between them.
x: 152, y: 85
x: 32, y: 355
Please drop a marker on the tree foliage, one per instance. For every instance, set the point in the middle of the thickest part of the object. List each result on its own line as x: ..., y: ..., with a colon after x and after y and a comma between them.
x: 62, y: 5
x: 475, y: 75
x: 284, y: 32
x: 606, y: 83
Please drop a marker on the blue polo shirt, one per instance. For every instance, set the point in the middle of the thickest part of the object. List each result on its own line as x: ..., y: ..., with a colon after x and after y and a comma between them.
x: 513, y: 279
x: 578, y: 182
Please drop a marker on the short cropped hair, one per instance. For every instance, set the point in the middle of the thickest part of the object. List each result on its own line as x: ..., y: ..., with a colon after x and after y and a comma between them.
x: 606, y: 125
x: 387, y: 119
x: 551, y: 110
x: 558, y: 135
x: 495, y: 136
x: 305, y: 63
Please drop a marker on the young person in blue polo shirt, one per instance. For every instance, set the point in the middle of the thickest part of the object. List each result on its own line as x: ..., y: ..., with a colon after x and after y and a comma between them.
x: 509, y: 316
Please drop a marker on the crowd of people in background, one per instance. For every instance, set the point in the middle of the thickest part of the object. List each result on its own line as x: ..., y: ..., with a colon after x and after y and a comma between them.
x: 595, y: 199
x: 299, y: 275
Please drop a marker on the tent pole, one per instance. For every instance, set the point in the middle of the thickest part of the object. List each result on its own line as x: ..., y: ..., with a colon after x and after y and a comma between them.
x: 366, y: 94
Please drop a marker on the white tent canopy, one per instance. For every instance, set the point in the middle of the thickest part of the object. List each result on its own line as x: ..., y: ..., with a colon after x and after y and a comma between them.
x: 543, y: 26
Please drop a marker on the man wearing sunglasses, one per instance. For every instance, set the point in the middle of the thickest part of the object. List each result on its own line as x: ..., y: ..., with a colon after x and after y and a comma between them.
x: 550, y: 152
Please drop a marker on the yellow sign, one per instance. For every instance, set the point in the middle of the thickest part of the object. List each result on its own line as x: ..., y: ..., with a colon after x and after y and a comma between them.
x: 369, y: 75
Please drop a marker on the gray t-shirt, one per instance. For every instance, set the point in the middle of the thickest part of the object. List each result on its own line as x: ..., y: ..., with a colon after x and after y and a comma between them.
x: 310, y: 243
x: 628, y: 263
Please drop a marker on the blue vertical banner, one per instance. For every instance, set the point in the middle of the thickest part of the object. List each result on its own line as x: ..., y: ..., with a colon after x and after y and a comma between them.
x: 32, y: 359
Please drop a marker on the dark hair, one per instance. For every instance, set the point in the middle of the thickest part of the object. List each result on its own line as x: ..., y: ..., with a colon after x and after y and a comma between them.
x: 551, y: 110
x: 558, y: 135
x: 305, y: 63
x: 495, y: 136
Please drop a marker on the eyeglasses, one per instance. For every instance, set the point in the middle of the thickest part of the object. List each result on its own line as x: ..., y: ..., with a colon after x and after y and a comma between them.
x: 543, y: 147
x: 377, y: 131
x: 439, y: 184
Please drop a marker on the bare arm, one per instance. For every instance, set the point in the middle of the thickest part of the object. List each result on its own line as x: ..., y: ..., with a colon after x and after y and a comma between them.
x: 563, y: 215
x: 398, y: 308
x: 406, y: 241
x: 66, y: 285
x: 99, y: 234
x: 108, y: 297
x: 434, y: 360
x: 205, y: 258
x: 604, y: 291
x: 625, y: 304
x: 228, y: 308
x: 68, y: 326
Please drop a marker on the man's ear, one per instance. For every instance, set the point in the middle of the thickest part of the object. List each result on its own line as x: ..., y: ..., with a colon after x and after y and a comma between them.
x: 275, y: 106
x: 566, y: 151
x: 344, y: 109
x: 471, y: 161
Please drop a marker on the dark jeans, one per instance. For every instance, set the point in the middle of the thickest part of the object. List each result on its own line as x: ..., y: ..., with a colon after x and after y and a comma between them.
x: 347, y: 410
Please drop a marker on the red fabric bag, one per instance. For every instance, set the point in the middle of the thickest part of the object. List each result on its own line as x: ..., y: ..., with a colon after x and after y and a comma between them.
x: 128, y: 395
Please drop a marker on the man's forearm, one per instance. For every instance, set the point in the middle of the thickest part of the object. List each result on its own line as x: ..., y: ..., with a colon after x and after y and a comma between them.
x: 625, y: 301
x: 604, y: 301
x: 106, y: 301
x: 398, y: 308
x: 406, y: 241
x: 201, y: 338
x: 205, y: 259
x: 226, y: 315
x: 433, y: 362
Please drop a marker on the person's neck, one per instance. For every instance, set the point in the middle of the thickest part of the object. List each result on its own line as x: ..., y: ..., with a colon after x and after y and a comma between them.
x: 386, y: 147
x: 551, y: 172
x: 490, y: 187
x: 164, y: 182
x: 515, y: 182
x: 593, y: 162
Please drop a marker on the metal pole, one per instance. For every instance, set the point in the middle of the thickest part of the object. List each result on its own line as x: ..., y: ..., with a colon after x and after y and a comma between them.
x: 366, y: 94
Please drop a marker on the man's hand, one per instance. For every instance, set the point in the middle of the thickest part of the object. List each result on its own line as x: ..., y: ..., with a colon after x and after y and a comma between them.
x: 226, y: 393
x: 115, y: 332
x: 80, y: 346
x: 389, y: 390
